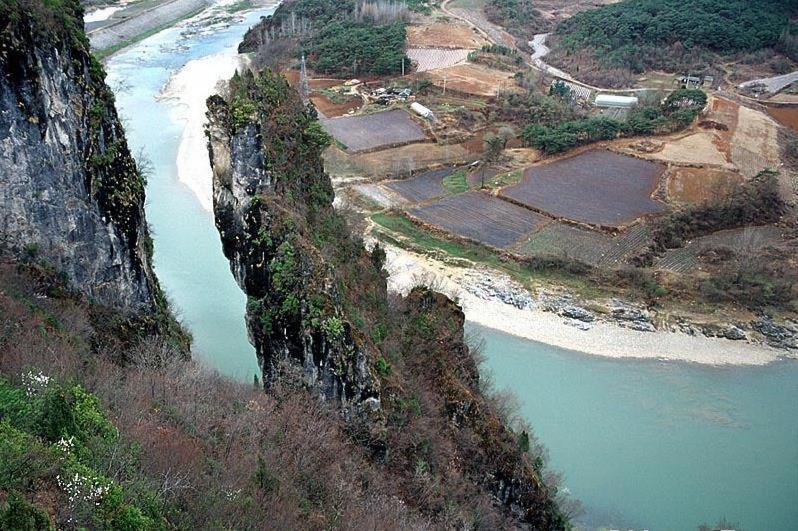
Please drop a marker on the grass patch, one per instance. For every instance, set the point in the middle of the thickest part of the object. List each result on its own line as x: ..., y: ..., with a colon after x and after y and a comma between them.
x: 456, y: 183
x: 503, y: 179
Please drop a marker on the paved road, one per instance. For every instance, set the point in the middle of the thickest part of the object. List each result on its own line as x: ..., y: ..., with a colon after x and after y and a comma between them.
x: 129, y: 28
x: 773, y: 84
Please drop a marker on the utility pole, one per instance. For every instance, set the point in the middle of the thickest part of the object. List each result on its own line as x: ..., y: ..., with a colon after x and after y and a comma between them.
x: 444, y: 85
x: 304, y: 89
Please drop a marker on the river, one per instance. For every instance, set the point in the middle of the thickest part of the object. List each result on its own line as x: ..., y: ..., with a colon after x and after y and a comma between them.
x: 643, y: 445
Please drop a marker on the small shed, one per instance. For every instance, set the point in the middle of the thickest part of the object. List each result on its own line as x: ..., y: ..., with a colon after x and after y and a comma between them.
x: 614, y: 101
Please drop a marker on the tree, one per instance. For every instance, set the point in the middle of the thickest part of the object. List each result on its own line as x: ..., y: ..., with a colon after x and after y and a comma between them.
x: 494, y: 145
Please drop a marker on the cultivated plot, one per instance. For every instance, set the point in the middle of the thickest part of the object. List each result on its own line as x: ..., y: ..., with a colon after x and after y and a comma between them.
x: 470, y: 78
x: 743, y: 241
x: 443, y: 36
x: 586, y: 246
x: 432, y: 58
x: 372, y: 131
x: 422, y: 187
x: 596, y: 187
x: 481, y: 217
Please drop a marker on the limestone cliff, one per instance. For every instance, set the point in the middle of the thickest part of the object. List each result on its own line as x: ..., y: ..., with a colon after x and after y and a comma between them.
x: 270, y: 200
x: 320, y: 316
x: 71, y: 195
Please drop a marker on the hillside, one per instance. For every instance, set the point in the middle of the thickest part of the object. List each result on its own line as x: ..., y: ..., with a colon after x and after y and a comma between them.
x: 671, y: 35
x: 343, y: 39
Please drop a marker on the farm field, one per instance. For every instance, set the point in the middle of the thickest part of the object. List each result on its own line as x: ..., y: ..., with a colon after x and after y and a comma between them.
x: 481, y: 217
x: 443, y: 36
x: 427, y: 185
x: 755, y: 142
x: 329, y: 109
x: 742, y: 241
x: 694, y: 185
x: 586, y: 246
x: 471, y: 78
x: 434, y: 58
x: 787, y: 116
x: 371, y: 131
x: 596, y: 187
x: 393, y: 162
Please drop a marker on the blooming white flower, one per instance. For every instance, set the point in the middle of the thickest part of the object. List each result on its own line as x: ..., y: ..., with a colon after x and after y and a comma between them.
x: 35, y: 382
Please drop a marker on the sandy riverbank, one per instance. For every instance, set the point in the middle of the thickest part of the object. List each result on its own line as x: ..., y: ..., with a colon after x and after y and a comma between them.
x: 189, y: 88
x: 603, y: 339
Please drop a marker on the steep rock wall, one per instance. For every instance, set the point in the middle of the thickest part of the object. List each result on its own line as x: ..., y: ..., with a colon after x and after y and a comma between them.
x: 267, y: 205
x: 70, y: 192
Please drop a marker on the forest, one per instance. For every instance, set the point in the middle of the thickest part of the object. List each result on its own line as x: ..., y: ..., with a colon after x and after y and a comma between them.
x: 351, y: 48
x: 344, y: 38
x: 639, y: 34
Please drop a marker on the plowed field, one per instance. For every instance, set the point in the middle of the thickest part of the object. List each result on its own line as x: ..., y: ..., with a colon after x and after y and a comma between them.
x: 482, y: 218
x: 422, y: 187
x: 371, y: 131
x: 596, y: 187
x: 694, y: 185
x: 471, y: 78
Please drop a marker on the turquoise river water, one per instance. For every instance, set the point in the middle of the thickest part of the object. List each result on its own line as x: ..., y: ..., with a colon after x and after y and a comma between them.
x: 643, y: 445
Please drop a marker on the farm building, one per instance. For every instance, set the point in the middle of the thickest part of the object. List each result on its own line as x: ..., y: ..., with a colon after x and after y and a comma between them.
x: 613, y: 101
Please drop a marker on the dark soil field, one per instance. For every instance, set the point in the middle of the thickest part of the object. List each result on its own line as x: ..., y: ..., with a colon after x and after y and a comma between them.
x: 372, y: 131
x: 595, y: 187
x: 424, y: 186
x: 586, y: 246
x: 482, y: 218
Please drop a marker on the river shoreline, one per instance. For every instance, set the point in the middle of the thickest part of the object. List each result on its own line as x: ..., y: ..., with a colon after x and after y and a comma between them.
x: 189, y: 88
x: 407, y: 269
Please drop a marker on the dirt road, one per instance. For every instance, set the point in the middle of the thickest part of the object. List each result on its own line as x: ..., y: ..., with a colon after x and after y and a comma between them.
x: 773, y: 84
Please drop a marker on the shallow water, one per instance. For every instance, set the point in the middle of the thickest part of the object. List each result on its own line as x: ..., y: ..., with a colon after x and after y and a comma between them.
x: 188, y: 252
x: 662, y: 446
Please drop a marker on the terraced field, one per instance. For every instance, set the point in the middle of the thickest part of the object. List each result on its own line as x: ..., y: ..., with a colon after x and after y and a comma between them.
x: 422, y: 187
x: 586, y: 246
x: 742, y: 241
x: 481, y: 217
x: 432, y: 58
x: 372, y: 131
x: 595, y: 187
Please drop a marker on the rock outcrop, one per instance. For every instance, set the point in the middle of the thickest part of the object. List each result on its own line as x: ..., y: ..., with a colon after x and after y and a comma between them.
x: 271, y: 200
x: 320, y: 316
x: 71, y: 195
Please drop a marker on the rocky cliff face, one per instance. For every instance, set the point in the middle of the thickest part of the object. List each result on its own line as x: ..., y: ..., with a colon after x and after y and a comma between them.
x: 70, y: 192
x: 271, y: 197
x: 320, y: 316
